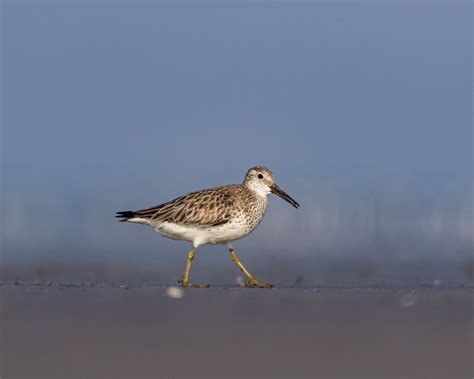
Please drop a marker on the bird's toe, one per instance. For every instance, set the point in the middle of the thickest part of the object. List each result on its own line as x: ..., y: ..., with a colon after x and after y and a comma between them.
x: 191, y: 285
x: 252, y: 283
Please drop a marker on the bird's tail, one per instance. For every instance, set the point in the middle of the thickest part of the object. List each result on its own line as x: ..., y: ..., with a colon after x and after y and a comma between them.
x: 141, y: 216
x: 125, y: 215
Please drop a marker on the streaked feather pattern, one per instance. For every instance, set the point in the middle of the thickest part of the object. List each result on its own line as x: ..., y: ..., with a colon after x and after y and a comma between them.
x: 210, y: 207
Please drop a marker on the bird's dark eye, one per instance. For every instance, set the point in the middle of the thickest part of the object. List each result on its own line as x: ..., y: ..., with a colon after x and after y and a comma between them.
x: 260, y: 176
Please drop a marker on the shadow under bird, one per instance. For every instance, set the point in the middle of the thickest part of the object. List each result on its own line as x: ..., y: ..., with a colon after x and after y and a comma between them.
x: 216, y: 215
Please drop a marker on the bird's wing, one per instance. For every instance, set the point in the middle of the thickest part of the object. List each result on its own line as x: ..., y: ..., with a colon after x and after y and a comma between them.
x: 210, y: 207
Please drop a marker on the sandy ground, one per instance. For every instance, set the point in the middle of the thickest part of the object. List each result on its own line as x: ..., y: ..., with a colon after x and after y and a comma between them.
x: 54, y: 332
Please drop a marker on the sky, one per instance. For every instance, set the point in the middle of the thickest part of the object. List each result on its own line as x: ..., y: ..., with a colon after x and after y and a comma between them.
x: 363, y: 110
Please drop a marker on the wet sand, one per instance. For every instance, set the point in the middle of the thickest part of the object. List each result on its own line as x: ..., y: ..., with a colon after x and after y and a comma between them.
x: 58, y: 332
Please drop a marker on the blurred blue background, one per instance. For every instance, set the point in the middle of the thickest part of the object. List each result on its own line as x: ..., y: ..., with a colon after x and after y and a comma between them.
x: 363, y: 110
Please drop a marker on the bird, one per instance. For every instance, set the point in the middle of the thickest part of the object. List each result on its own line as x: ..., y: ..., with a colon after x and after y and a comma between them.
x: 218, y: 215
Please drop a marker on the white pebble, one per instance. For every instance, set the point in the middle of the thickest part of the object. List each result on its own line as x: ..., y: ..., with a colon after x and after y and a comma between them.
x: 174, y: 292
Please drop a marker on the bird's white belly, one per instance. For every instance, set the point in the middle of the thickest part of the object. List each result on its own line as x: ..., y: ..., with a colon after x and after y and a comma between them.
x: 203, y: 235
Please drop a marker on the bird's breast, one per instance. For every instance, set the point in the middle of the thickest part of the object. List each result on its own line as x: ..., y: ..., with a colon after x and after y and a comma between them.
x: 252, y: 216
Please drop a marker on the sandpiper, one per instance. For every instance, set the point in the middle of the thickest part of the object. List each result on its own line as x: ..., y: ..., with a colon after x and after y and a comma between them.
x: 216, y: 215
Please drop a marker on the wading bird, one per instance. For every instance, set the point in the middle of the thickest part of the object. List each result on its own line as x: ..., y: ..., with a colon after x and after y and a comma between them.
x: 216, y: 215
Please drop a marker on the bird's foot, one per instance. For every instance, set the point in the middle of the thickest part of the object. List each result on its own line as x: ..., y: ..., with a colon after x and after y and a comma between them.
x: 190, y: 285
x: 252, y: 283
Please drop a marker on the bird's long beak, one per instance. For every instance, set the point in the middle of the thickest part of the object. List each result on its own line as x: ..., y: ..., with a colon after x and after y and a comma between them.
x: 279, y: 192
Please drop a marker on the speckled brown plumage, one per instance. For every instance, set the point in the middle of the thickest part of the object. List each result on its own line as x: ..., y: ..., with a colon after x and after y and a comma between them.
x: 215, y: 215
x: 209, y: 207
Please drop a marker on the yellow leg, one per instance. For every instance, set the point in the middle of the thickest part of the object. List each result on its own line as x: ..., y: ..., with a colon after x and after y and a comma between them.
x: 185, y: 281
x: 250, y: 282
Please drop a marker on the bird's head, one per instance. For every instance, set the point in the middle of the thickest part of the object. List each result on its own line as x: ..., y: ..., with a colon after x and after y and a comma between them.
x: 260, y: 180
